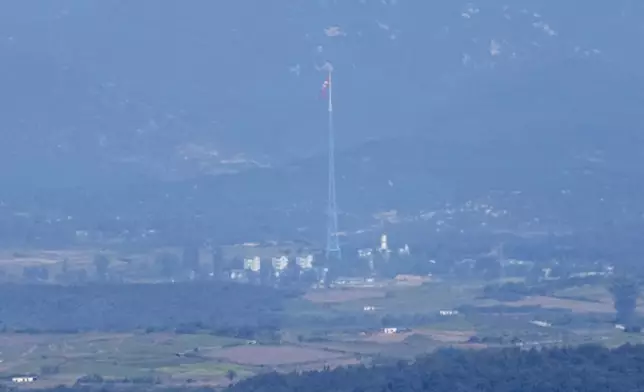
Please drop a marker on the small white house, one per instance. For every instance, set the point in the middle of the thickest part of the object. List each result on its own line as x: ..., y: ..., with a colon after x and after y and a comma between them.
x: 390, y: 331
x: 23, y: 379
x: 448, y: 312
x: 404, y: 251
x: 237, y: 274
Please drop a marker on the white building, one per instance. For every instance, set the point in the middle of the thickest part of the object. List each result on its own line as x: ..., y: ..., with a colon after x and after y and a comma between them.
x: 23, y: 379
x: 252, y: 264
x: 448, y: 312
x: 279, y: 263
x: 390, y: 331
x: 384, y: 247
x: 404, y: 251
x: 305, y: 262
x: 365, y: 253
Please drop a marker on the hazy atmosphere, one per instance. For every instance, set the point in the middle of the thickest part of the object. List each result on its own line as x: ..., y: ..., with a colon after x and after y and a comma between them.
x: 321, y: 195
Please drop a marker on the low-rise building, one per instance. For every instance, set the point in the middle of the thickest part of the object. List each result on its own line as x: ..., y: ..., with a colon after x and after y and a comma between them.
x: 23, y: 379
x: 305, y: 262
x: 279, y: 263
x: 404, y: 251
x: 252, y: 264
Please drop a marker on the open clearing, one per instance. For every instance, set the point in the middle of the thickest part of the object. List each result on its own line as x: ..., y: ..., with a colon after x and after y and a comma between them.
x: 558, y: 303
x: 446, y: 336
x: 437, y: 335
x: 274, y: 355
x: 384, y: 338
x: 343, y: 295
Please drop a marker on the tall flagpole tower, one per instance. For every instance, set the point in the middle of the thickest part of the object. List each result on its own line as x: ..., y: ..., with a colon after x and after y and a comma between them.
x: 332, y: 242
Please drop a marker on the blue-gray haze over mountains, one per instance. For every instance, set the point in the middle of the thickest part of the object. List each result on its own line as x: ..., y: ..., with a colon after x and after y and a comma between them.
x: 124, y: 109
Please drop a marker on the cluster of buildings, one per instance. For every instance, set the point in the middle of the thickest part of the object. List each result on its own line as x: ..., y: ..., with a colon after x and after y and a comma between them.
x: 283, y: 267
x: 383, y: 249
x: 280, y: 263
x: 273, y: 268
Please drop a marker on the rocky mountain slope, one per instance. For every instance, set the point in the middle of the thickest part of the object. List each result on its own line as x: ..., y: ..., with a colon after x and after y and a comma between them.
x: 435, y: 102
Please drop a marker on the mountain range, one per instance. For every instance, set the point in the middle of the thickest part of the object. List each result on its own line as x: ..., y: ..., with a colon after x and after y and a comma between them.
x: 531, y: 106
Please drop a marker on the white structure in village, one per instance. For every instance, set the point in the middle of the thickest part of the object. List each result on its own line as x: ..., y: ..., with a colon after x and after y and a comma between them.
x: 384, y: 247
x: 279, y: 263
x: 252, y: 264
x: 238, y: 274
x: 366, y: 253
x: 404, y: 251
x: 448, y: 312
x: 23, y: 379
x: 305, y: 262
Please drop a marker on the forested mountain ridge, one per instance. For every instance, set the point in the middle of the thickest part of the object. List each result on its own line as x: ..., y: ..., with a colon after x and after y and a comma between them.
x: 212, y: 81
x: 586, y: 368
x: 436, y: 103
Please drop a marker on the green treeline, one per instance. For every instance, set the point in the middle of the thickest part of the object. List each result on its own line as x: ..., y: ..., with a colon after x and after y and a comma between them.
x: 587, y: 368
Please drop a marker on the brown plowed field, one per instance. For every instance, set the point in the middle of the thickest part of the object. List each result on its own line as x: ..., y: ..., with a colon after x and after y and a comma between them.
x: 274, y: 355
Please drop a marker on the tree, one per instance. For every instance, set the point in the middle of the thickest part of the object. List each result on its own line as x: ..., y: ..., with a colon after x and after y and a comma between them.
x: 190, y: 259
x: 625, y: 292
x: 231, y: 375
x: 217, y: 262
x: 168, y: 264
x: 102, y: 263
x: 35, y: 273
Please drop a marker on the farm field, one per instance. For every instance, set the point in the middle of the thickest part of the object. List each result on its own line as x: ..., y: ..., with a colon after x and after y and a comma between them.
x: 274, y: 356
x: 169, y: 358
x: 336, y: 327
x: 65, y: 358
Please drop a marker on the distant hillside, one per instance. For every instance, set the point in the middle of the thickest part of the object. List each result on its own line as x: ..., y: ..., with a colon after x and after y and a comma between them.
x: 208, y: 87
x: 532, y: 108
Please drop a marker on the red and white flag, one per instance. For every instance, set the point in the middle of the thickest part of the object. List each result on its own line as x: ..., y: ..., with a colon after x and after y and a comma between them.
x: 325, y: 87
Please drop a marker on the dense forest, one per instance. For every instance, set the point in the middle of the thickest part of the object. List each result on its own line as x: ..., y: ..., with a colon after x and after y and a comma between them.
x: 223, y: 308
x: 586, y: 368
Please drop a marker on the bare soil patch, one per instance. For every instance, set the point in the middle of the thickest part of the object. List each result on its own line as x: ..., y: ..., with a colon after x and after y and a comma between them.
x: 274, y: 355
x: 446, y: 336
x: 574, y: 305
x: 342, y: 295
x: 384, y: 338
x: 438, y: 335
x: 333, y: 363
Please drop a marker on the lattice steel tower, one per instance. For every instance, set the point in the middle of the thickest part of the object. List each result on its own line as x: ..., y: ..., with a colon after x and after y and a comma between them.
x: 332, y: 242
